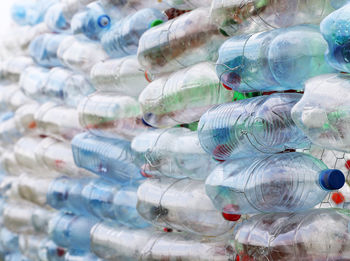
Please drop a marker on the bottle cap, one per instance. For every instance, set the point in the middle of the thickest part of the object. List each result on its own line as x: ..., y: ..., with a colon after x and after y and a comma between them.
x: 104, y: 21
x: 155, y: 23
x: 332, y: 179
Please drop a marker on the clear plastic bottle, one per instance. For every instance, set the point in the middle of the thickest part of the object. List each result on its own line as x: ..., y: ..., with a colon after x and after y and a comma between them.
x: 113, y: 243
x: 8, y: 240
x: 174, y: 152
x: 15, y: 256
x: 188, y: 4
x: 339, y: 3
x: 109, y: 158
x: 259, y: 125
x: 325, y: 123
x: 66, y: 230
x: 123, y: 76
x: 79, y: 255
x: 108, y: 115
x: 182, y: 97
x: 179, y: 43
x: 43, y: 49
x: 71, y: 7
x: 57, y: 156
x: 122, y: 39
x: 243, y: 17
x: 334, y: 29
x: 26, y: 219
x: 182, y: 205
x: 12, y: 68
x: 321, y: 234
x: 286, y: 182
x: 80, y: 54
x: 56, y: 121
x: 55, y: 20
x: 277, y: 60
x: 9, y: 164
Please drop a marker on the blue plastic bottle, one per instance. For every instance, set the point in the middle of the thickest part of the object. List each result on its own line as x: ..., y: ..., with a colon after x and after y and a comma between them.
x: 70, y: 231
x: 259, y: 125
x: 55, y: 19
x: 286, y: 182
x: 108, y: 158
x: 277, y: 60
x: 43, y: 49
x: 335, y: 29
x: 123, y: 37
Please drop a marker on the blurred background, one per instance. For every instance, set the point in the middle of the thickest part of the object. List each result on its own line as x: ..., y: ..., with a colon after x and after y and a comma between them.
x: 5, y: 19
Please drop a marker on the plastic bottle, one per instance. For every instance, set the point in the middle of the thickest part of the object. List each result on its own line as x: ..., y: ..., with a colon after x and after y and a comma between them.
x: 57, y: 156
x: 259, y: 125
x: 55, y: 20
x: 26, y: 219
x: 43, y: 49
x: 321, y: 234
x: 237, y: 17
x: 109, y: 158
x: 325, y: 123
x: 71, y: 7
x: 339, y: 3
x: 334, y: 29
x: 8, y: 240
x: 9, y: 164
x: 113, y: 243
x: 78, y: 255
x: 66, y: 230
x: 182, y: 97
x: 108, y: 115
x: 188, y: 4
x: 174, y: 152
x: 12, y: 68
x: 277, y: 60
x: 30, y: 12
x: 123, y: 76
x: 286, y: 182
x: 123, y: 37
x: 179, y: 43
x: 131, y: 6
x: 15, y: 256
x: 56, y: 121
x: 182, y: 205
x: 80, y: 54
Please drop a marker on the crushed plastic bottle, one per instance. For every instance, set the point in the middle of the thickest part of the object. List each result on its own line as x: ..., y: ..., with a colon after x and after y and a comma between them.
x: 108, y: 115
x: 321, y: 234
x: 109, y: 158
x: 123, y: 76
x: 325, y: 123
x: 80, y: 54
x: 155, y: 245
x: 43, y: 49
x: 243, y: 17
x: 182, y: 97
x: 122, y: 39
x: 286, y: 182
x: 174, y: 153
x: 259, y: 125
x: 179, y: 43
x: 277, y: 60
x: 160, y: 204
x: 334, y: 29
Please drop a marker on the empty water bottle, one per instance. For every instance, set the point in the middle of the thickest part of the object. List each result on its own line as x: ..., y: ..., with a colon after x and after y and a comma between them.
x: 109, y: 158
x: 277, y: 60
x: 108, y: 115
x: 259, y: 125
x: 179, y: 43
x: 80, y: 54
x: 188, y: 4
x: 55, y: 20
x: 12, y: 68
x: 183, y: 96
x: 286, y: 182
x: 30, y: 12
x: 182, y: 205
x: 321, y: 234
x: 26, y: 219
x: 149, y: 244
x: 238, y: 17
x: 123, y: 76
x: 325, y: 123
x: 174, y: 152
x: 71, y: 7
x: 43, y: 49
x: 9, y: 164
x: 334, y: 29
x: 123, y: 37
x: 33, y: 81
x: 66, y: 230
x: 58, y: 121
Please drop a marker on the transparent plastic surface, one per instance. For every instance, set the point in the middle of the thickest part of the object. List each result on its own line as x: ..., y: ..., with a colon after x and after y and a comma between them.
x: 55, y: 20
x: 188, y: 4
x: 12, y: 68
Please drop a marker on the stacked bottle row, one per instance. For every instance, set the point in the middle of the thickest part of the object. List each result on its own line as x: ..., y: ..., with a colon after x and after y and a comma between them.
x: 123, y: 140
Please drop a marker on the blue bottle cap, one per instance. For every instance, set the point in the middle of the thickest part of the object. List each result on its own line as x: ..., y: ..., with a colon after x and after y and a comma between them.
x: 332, y: 179
x: 104, y: 21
